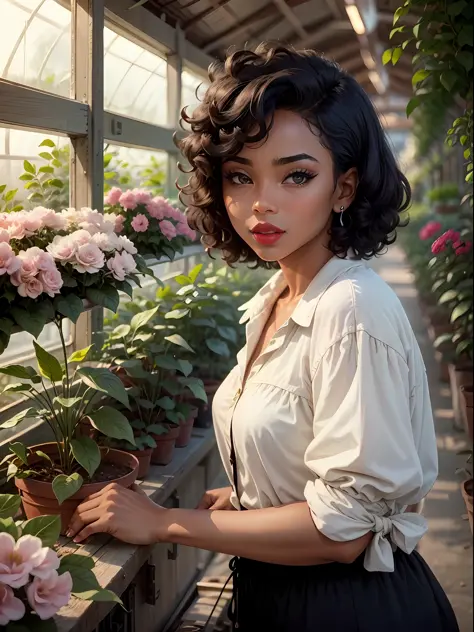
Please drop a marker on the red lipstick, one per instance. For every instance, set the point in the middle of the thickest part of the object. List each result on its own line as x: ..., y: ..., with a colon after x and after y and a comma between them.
x: 266, y: 234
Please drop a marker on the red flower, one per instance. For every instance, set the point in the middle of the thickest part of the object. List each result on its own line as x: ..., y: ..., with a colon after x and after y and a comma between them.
x: 429, y: 230
x: 462, y: 247
x: 439, y: 245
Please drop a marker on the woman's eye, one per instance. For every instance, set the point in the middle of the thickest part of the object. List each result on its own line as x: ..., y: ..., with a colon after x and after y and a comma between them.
x: 238, y: 178
x: 299, y: 177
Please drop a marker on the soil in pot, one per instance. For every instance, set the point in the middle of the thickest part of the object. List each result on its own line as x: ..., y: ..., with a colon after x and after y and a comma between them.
x: 467, y: 408
x: 186, y: 429
x: 165, y: 445
x: 37, y: 495
x: 467, y: 489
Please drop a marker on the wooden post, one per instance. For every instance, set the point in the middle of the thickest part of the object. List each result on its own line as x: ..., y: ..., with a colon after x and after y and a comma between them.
x: 174, y: 69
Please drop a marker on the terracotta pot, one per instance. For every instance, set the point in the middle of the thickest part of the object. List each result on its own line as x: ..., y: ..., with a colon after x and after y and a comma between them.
x: 443, y: 367
x: 204, y: 418
x: 186, y: 429
x: 459, y: 375
x: 467, y: 408
x: 466, y: 490
x: 165, y: 444
x: 446, y: 208
x: 38, y: 498
x: 144, y: 460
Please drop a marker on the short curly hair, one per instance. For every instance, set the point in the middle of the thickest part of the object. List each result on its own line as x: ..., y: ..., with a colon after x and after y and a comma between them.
x: 238, y: 108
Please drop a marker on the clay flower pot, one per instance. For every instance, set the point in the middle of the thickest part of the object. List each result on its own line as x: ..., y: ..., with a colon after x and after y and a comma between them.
x: 467, y: 408
x: 204, y: 418
x: 466, y: 490
x: 144, y: 460
x: 186, y: 429
x: 165, y: 445
x: 38, y: 498
x: 459, y: 375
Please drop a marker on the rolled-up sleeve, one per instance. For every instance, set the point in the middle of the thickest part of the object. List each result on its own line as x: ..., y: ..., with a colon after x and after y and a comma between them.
x: 364, y: 464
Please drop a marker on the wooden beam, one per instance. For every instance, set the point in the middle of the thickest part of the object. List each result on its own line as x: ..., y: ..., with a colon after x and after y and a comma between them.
x: 291, y: 17
x: 129, y: 132
x: 28, y: 107
x: 324, y: 32
x: 218, y: 4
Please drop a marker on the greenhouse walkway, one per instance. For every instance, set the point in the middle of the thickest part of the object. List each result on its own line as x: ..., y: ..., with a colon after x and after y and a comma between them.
x: 447, y: 547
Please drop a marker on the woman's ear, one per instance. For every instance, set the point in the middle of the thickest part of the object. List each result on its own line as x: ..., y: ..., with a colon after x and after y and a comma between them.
x: 346, y: 190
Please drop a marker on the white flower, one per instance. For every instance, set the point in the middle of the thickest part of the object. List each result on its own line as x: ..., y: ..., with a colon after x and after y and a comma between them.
x: 89, y: 258
x: 106, y: 241
x: 62, y: 248
x: 126, y: 244
x: 128, y: 263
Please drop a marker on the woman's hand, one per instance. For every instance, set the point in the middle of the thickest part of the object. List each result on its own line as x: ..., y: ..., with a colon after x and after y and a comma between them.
x: 127, y: 514
x: 217, y: 499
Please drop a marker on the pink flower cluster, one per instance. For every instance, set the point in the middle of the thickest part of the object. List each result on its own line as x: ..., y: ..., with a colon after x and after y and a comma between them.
x: 32, y: 271
x: 156, y: 207
x: 27, y: 564
x: 429, y: 230
x: 453, y: 237
x: 27, y: 223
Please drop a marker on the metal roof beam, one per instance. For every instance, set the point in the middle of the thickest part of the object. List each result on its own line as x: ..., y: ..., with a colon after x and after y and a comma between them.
x: 291, y: 17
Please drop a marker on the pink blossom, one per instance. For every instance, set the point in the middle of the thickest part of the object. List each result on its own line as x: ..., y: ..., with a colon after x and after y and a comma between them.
x: 140, y: 223
x: 71, y: 216
x: 124, y: 243
x: 31, y: 288
x: 429, y: 230
x: 184, y: 229
x: 109, y: 222
x: 141, y: 196
x: 439, y: 245
x: 46, y: 563
x: 106, y: 241
x: 452, y: 235
x: 462, y: 247
x: 18, y: 559
x: 31, y: 222
x: 9, y: 262
x: 11, y: 608
x: 47, y: 596
x: 16, y: 230
x: 113, y: 196
x: 4, y: 236
x: 52, y: 281
x: 119, y: 222
x: 49, y: 218
x: 115, y: 265
x: 80, y: 237
x: 41, y: 259
x: 128, y: 263
x: 128, y: 201
x: 168, y: 229
x: 89, y: 258
x: 62, y: 248
x: 157, y: 208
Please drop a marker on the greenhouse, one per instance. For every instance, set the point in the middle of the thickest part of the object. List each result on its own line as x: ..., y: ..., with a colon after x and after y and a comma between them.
x: 121, y: 314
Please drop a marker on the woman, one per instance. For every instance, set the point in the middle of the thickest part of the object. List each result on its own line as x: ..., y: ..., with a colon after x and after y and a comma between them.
x: 324, y: 426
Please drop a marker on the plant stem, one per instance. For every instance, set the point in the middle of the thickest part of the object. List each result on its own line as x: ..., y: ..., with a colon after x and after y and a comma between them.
x: 59, y: 324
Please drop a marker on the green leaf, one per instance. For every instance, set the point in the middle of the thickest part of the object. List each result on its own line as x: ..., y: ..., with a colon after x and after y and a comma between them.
x: 228, y: 333
x: 448, y: 79
x: 80, y: 355
x: 387, y: 56
x: 47, y: 528
x: 49, y: 366
x: 176, y: 339
x: 218, y: 346
x: 465, y: 59
x: 141, y: 319
x: 70, y: 307
x: 19, y: 449
x: 420, y: 76
x: 461, y: 310
x: 69, y: 563
x: 87, y: 453
x: 397, y: 53
x: 17, y: 388
x: 157, y: 429
x: 121, y: 331
x: 66, y: 486
x: 9, y: 505
x: 26, y: 177
x: 107, y: 297
x: 14, y: 421
x: 83, y: 579
x: 167, y: 363
x: 412, y: 105
x: 465, y: 35
x: 7, y: 525
x: 2, y: 188
x: 47, y: 143
x: 21, y: 372
x: 112, y: 423
x: 447, y: 297
x: 44, y: 456
x: 47, y: 156
x: 166, y: 403
x: 68, y: 402
x: 196, y: 386
x: 29, y: 321
x: 106, y: 382
x: 176, y: 314
x: 98, y: 595
x: 56, y: 182
x: 182, y: 279
x: 463, y: 346
x: 185, y: 367
x: 193, y: 275
x: 28, y: 167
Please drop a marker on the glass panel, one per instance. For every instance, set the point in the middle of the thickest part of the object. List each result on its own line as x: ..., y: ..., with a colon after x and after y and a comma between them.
x: 135, y: 81
x: 36, y: 47
x: 51, y: 163
x: 193, y: 88
x: 129, y: 168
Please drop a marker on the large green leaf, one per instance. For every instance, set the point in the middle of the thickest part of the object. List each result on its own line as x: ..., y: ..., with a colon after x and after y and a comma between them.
x: 71, y: 306
x: 80, y: 355
x: 87, y: 453
x: 176, y: 314
x: 196, y: 386
x: 21, y: 372
x: 68, y: 402
x: 13, y: 421
x: 167, y: 362
x: 66, y: 486
x: 141, y: 319
x: 8, y: 525
x: 19, y: 449
x: 112, y: 423
x: 29, y: 321
x: 228, y: 333
x: 193, y: 275
x: 104, y: 381
x: 448, y: 297
x: 461, y: 310
x: 176, y: 339
x: 47, y: 528
x: 107, y: 297
x: 73, y: 561
x: 49, y: 366
x: 9, y: 505
x: 166, y: 403
x: 98, y: 595
x: 17, y: 388
x: 218, y: 346
x: 83, y: 579
x: 185, y: 367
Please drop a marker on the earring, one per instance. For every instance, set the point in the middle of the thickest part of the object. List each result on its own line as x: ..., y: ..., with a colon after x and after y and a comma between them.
x: 342, y: 209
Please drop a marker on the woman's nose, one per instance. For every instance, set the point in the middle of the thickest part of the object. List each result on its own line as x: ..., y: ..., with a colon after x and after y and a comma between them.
x: 264, y: 207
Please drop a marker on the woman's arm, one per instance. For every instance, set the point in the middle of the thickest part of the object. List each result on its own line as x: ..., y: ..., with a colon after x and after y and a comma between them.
x: 283, y: 535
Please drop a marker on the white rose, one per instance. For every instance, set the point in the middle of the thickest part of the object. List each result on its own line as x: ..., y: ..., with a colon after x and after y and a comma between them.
x: 89, y: 258
x: 127, y: 245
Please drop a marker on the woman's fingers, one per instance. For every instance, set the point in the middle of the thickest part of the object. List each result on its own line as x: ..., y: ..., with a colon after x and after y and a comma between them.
x: 82, y: 517
x: 139, y: 490
x: 99, y: 526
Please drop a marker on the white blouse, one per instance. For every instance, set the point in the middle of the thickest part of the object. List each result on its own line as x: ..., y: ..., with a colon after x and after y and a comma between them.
x: 335, y: 411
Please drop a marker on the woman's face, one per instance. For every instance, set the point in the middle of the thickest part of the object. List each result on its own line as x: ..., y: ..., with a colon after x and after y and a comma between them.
x: 280, y: 194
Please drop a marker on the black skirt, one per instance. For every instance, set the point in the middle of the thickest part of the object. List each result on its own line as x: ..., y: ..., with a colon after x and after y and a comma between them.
x: 339, y: 598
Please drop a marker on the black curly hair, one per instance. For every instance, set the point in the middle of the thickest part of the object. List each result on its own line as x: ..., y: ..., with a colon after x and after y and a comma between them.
x: 238, y: 108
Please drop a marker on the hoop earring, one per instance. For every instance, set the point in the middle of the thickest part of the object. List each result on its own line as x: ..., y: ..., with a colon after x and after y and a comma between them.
x: 341, y: 220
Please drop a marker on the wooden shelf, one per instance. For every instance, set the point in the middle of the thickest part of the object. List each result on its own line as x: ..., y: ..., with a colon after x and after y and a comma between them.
x: 116, y: 563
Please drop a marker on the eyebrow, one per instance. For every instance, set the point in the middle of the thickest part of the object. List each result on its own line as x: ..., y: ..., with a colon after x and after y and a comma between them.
x: 278, y: 162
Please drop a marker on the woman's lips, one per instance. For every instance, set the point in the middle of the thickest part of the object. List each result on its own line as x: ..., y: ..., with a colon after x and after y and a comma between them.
x: 267, y: 239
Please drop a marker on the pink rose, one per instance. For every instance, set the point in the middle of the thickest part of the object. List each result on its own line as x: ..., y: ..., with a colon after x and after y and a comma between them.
x: 4, y: 236
x: 62, y: 248
x: 18, y: 559
x: 11, y: 608
x: 106, y: 241
x: 89, y: 258
x: 141, y: 196
x: 113, y: 196
x: 115, y: 265
x: 462, y: 247
x: 439, y: 245
x: 9, y: 262
x: 52, y: 281
x: 31, y: 288
x: 119, y: 223
x: 31, y: 222
x: 128, y: 263
x: 429, y: 230
x: 157, y: 208
x: 49, y: 218
x: 452, y: 235
x: 140, y: 223
x: 47, y: 596
x: 109, y: 222
x: 80, y: 237
x: 127, y: 200
x: 46, y: 563
x: 41, y: 259
x: 124, y: 243
x: 168, y: 229
x: 16, y: 229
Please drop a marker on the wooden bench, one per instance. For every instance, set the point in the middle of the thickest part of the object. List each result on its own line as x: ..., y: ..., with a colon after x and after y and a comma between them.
x: 152, y: 579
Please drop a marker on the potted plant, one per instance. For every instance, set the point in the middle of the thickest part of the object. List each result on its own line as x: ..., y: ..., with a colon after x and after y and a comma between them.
x: 35, y: 581
x: 54, y: 478
x: 467, y: 485
x: 156, y: 227
x: 445, y: 198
